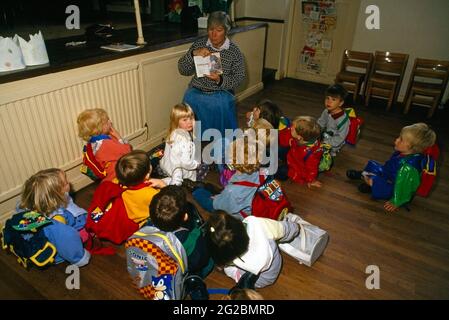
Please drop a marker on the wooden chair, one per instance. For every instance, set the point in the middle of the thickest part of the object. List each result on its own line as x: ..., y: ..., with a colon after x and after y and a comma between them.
x: 427, y: 84
x: 386, y: 76
x: 354, y: 69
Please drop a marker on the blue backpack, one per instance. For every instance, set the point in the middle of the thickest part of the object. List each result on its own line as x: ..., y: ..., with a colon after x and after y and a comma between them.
x: 23, y: 236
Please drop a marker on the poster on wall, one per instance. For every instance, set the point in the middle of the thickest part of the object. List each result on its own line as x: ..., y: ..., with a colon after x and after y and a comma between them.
x: 319, y: 19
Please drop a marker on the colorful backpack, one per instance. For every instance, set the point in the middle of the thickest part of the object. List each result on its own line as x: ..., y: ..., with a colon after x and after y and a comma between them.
x: 91, y: 167
x: 429, y: 171
x: 23, y: 235
x: 270, y: 200
x: 326, y: 158
x: 355, y: 124
x: 107, y: 216
x: 157, y: 263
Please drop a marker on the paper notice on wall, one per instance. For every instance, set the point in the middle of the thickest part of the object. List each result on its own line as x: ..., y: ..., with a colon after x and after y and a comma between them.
x: 319, y: 19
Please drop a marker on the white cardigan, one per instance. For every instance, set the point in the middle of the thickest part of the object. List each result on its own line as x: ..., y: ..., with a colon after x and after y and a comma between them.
x: 179, y: 161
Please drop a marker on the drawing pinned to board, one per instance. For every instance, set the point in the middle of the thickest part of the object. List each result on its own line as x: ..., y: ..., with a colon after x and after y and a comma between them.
x: 319, y: 19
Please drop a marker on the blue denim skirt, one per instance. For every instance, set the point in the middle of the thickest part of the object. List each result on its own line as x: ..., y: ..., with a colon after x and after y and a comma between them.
x: 214, y: 109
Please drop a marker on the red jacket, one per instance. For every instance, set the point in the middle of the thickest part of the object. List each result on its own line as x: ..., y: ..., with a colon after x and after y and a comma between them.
x: 303, y: 162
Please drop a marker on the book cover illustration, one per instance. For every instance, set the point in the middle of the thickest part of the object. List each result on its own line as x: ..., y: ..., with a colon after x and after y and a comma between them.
x: 207, y: 65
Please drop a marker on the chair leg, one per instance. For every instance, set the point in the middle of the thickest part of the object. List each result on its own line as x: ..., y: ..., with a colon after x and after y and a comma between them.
x: 391, y: 98
x: 367, y: 95
x: 408, y: 103
x: 433, y: 108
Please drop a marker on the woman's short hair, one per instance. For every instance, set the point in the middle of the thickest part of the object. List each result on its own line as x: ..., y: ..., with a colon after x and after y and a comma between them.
x: 132, y: 168
x: 219, y: 18
x: 90, y: 123
x: 226, y: 237
x: 419, y: 135
x: 43, y: 192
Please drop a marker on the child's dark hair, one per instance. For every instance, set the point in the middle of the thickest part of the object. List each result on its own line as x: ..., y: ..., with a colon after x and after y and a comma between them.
x: 226, y: 237
x: 337, y: 91
x: 132, y: 168
x: 270, y: 112
x: 168, y: 207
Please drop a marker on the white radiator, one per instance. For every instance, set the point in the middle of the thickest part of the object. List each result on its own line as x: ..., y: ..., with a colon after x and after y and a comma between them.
x: 39, y: 131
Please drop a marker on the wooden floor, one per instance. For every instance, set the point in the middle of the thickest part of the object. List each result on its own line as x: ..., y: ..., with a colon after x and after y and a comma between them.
x: 411, y: 249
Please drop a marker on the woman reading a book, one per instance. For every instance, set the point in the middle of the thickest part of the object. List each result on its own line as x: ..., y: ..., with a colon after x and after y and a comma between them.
x: 211, y: 93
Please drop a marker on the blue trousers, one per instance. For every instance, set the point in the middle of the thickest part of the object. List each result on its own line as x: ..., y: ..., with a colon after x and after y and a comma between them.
x: 204, y: 199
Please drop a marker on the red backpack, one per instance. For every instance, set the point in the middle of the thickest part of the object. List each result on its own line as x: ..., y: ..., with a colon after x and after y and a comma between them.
x: 91, y: 167
x: 429, y: 171
x: 270, y: 200
x: 107, y: 216
x: 355, y: 123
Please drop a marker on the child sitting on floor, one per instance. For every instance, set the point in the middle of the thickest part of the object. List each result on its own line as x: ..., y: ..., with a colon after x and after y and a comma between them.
x: 46, y: 192
x: 249, y: 246
x: 305, y: 151
x: 170, y: 212
x: 119, y: 210
x: 399, y: 178
x: 235, y: 199
x: 178, y: 162
x: 333, y: 120
x: 95, y: 127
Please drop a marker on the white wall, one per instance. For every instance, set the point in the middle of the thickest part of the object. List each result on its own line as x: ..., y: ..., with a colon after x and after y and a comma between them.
x: 268, y: 9
x: 276, y: 35
x: 419, y: 28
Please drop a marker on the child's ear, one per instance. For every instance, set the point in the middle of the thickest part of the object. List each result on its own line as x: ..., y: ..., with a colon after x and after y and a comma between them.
x: 186, y: 217
x: 342, y: 102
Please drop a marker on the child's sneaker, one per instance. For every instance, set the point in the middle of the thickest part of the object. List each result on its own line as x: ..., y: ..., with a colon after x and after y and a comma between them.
x: 364, y: 188
x: 354, y: 174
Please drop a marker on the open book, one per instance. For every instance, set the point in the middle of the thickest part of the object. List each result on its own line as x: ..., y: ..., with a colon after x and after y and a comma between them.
x: 206, y: 65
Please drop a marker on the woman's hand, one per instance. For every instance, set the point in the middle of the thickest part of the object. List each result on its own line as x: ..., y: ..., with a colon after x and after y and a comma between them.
x: 214, y: 77
x: 390, y: 207
x: 204, y: 52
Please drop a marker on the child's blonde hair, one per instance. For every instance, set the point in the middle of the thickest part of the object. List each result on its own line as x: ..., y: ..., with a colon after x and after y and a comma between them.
x: 91, y: 122
x: 419, y: 136
x: 244, y: 155
x: 243, y: 294
x: 307, y: 127
x: 44, y: 192
x: 132, y: 168
x: 179, y: 111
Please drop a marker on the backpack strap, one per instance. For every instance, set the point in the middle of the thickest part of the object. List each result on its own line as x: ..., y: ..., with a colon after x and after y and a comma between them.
x: 251, y: 184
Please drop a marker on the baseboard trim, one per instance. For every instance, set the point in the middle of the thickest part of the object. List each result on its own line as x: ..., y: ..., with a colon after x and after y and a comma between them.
x: 249, y: 91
